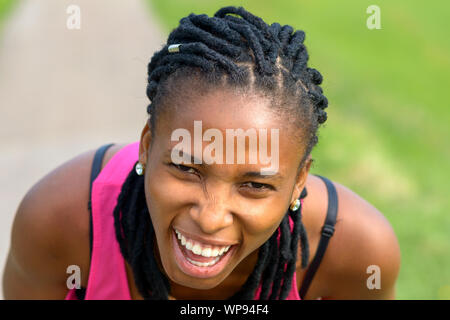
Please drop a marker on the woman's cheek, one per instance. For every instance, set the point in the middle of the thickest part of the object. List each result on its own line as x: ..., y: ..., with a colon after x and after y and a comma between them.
x: 167, y: 194
x: 258, y: 228
x: 263, y: 218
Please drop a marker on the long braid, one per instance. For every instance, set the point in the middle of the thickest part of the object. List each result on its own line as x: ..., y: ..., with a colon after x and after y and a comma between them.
x: 296, y: 216
x: 135, y: 234
x: 247, y: 291
x: 241, y: 48
x: 285, y: 237
x: 269, y: 273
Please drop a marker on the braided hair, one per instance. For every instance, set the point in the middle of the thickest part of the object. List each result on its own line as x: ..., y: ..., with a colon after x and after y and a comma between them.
x: 237, y: 49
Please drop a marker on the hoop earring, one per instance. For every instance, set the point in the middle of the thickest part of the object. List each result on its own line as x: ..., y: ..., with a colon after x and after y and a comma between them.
x: 139, y: 169
x: 295, y: 205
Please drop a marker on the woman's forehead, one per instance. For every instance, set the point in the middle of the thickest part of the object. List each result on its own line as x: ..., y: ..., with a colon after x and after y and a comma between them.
x: 223, y: 117
x: 222, y: 109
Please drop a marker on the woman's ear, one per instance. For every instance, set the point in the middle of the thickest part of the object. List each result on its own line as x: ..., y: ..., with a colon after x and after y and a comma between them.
x: 301, y: 179
x: 145, y: 142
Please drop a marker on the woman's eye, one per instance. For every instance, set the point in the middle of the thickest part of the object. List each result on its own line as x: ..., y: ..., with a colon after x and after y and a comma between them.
x: 184, y: 168
x: 257, y: 186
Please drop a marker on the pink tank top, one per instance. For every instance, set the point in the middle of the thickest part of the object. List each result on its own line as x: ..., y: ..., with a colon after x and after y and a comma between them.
x: 107, y: 275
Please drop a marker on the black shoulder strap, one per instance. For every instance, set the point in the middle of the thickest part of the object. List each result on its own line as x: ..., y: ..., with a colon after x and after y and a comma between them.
x: 327, y: 233
x: 304, y: 193
x: 96, y: 168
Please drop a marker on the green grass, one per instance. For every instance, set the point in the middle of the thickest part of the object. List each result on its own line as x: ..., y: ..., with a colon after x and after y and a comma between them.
x: 387, y: 135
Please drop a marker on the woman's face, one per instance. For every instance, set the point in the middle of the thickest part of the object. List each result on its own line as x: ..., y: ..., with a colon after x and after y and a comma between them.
x: 208, y: 216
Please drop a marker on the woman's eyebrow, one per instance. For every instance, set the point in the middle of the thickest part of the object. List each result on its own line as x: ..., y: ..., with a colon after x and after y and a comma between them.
x: 259, y: 175
x: 193, y: 159
x: 248, y: 174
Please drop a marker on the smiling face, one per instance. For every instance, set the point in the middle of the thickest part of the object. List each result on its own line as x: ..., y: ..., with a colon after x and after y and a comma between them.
x: 209, y: 217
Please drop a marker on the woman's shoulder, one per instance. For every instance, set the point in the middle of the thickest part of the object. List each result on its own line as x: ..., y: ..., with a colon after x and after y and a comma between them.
x: 363, y: 238
x: 65, y: 192
x: 51, y: 226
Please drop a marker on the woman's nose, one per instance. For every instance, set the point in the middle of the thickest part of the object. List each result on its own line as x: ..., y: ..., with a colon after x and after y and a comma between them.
x: 212, y: 214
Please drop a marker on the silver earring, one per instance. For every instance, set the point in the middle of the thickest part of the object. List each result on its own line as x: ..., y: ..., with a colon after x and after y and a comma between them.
x: 139, y: 169
x: 295, y: 205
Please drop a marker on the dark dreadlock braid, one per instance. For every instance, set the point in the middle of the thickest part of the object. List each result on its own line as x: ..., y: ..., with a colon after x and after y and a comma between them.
x: 243, y: 50
x: 134, y: 231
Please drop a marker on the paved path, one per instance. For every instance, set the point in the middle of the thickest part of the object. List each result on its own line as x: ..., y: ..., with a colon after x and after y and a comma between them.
x: 63, y: 92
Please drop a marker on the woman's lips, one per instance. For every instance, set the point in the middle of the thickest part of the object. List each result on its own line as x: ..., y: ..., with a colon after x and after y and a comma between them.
x: 185, y: 260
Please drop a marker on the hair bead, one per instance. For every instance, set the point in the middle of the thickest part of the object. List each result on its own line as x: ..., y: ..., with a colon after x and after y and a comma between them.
x: 174, y: 48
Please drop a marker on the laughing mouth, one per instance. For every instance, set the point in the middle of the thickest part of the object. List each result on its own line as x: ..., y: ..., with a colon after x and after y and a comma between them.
x: 200, y: 254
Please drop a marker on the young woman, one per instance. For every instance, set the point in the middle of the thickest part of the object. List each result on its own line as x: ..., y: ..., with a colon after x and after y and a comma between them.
x: 136, y: 223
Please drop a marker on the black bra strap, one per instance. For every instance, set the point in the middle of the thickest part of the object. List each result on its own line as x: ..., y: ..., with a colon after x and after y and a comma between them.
x: 327, y: 233
x: 96, y: 168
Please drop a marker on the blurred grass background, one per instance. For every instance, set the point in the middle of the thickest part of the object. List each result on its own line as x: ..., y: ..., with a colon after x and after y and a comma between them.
x: 5, y: 8
x: 387, y: 134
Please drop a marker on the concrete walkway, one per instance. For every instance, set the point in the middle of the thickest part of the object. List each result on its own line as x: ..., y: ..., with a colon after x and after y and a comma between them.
x: 63, y: 92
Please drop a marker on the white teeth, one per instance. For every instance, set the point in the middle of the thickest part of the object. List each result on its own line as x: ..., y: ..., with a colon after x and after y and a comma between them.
x: 206, y: 252
x: 215, y: 252
x: 203, y: 264
x: 198, y: 249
